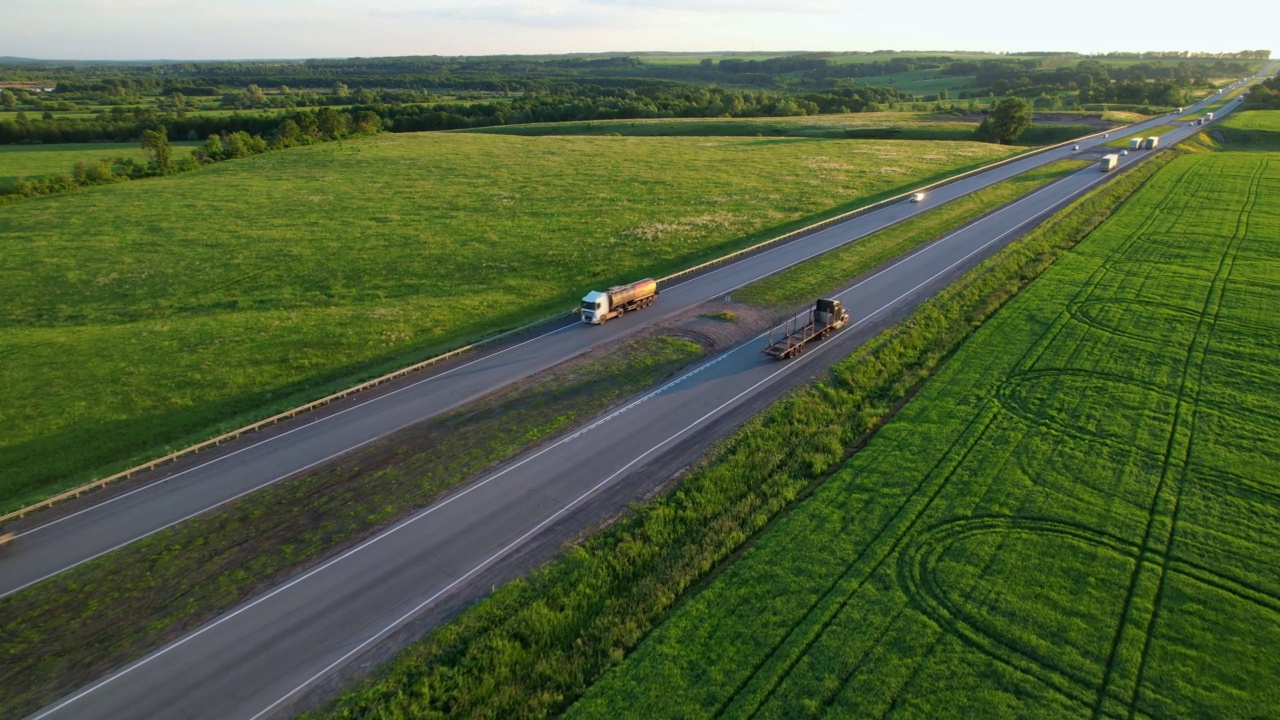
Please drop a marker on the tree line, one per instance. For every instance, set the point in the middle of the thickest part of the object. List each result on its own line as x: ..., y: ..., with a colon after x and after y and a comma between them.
x: 1264, y: 95
x: 587, y: 102
x: 303, y: 128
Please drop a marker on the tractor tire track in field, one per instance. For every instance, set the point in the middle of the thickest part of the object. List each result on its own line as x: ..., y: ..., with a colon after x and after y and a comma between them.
x: 1159, y: 533
x: 1053, y: 332
x: 1075, y: 688
x: 741, y: 701
x: 1006, y: 394
x: 1094, y: 281
x: 918, y: 572
x: 836, y: 596
x: 1212, y: 310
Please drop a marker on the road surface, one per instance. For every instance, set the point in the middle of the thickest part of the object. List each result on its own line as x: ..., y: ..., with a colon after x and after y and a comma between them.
x: 200, y: 483
x: 255, y: 661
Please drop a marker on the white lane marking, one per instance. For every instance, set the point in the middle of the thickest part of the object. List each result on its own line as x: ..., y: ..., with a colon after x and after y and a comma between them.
x: 259, y: 444
x: 462, y: 493
x: 286, y: 433
x: 406, y: 523
x: 596, y: 488
x: 1042, y: 160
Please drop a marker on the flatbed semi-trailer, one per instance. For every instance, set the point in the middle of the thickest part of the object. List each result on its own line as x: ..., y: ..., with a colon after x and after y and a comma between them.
x: 790, y: 338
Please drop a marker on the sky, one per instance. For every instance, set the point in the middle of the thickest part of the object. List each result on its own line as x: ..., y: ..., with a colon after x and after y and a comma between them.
x: 230, y: 29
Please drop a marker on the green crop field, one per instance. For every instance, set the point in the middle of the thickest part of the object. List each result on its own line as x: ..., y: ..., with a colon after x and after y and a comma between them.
x: 32, y: 161
x: 140, y: 316
x: 1077, y: 517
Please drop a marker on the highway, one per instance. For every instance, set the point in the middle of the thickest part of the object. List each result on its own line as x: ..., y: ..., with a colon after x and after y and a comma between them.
x: 256, y: 660
x: 95, y: 525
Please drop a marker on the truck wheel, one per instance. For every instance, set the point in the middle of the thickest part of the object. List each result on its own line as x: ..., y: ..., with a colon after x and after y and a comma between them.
x: 622, y: 310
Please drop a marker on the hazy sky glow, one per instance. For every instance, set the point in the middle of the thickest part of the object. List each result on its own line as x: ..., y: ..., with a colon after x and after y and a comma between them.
x: 224, y: 29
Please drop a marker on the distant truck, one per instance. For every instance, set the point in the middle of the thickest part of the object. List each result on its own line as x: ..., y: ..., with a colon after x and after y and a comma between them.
x: 1208, y: 117
x: 789, y: 339
x: 598, y: 307
x: 1109, y: 162
x: 1135, y: 144
x: 1151, y: 143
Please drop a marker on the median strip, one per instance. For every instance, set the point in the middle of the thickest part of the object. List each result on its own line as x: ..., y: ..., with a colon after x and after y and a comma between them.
x: 172, y: 581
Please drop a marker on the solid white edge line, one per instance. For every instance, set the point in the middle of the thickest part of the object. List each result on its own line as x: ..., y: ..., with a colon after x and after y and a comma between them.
x: 788, y: 366
x: 594, y: 489
x: 264, y: 441
x: 465, y: 365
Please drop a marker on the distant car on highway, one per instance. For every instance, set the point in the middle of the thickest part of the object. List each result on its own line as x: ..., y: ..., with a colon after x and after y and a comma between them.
x: 918, y: 197
x: 1075, y: 147
x: 1124, y: 152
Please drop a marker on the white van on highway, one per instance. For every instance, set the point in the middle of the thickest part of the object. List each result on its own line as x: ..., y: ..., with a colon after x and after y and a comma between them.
x: 918, y: 197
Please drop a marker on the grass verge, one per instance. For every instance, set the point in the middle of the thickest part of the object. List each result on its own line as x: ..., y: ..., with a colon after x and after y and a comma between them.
x: 819, y: 276
x: 245, y: 546
x: 62, y: 633
x: 535, y: 645
x: 1075, y: 517
x: 1123, y: 141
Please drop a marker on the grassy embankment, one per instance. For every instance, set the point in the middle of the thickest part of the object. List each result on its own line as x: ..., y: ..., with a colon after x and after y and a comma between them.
x: 68, y: 630
x: 536, y: 645
x: 189, y: 572
x: 1123, y: 141
x: 140, y: 317
x: 1249, y: 130
x: 1078, y: 516
x: 33, y: 161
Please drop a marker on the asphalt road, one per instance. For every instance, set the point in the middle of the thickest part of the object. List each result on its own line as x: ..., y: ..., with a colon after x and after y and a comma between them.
x: 255, y: 661
x: 220, y: 476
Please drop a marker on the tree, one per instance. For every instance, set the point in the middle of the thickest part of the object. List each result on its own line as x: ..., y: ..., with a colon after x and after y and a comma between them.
x: 289, y: 133
x: 255, y: 96
x: 1006, y: 123
x: 212, y: 149
x: 340, y: 90
x: 8, y: 98
x: 155, y: 143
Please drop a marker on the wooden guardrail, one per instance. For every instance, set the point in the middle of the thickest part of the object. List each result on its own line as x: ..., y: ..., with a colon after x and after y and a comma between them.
x: 292, y: 412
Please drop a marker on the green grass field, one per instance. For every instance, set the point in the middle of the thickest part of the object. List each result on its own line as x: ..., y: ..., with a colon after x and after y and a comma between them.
x: 901, y: 125
x: 1250, y: 130
x: 1123, y: 140
x: 923, y: 82
x: 32, y: 161
x: 1078, y: 516
x: 879, y: 125
x: 142, y: 316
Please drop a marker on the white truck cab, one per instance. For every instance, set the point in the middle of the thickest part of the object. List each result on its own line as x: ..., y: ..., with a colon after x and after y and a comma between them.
x: 595, y: 305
